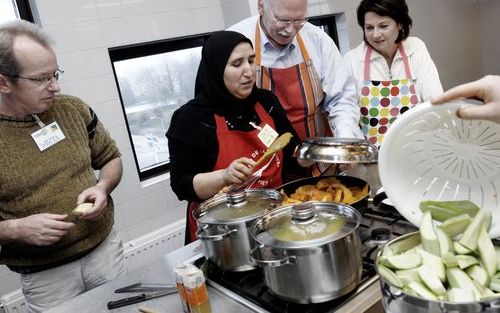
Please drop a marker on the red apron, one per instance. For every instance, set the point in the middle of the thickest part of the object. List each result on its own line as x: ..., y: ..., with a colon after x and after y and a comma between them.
x: 299, y: 90
x: 301, y: 95
x: 234, y: 144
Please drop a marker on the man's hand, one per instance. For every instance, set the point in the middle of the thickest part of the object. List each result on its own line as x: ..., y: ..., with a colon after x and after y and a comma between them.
x: 97, y: 195
x: 40, y: 229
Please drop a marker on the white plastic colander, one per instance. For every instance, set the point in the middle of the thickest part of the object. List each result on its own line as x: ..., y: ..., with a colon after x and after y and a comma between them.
x: 431, y: 154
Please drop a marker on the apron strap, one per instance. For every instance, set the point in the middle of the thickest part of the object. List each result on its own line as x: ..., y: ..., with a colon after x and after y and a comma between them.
x: 368, y: 55
x: 257, y: 44
x: 405, y: 61
x: 303, y: 49
x: 300, y: 42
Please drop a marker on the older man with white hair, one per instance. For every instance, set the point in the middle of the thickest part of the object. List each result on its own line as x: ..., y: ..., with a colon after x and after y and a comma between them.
x: 302, y: 65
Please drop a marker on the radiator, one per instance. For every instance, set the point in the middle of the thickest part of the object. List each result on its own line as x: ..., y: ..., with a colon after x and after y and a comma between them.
x: 13, y: 302
x: 151, y: 246
x: 138, y: 252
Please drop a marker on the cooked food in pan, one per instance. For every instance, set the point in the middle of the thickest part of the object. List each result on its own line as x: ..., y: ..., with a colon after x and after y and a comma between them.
x: 328, y: 189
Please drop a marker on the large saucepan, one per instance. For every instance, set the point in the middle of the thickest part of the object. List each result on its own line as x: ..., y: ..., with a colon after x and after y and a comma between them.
x: 396, y: 300
x: 310, y: 252
x: 348, y: 181
x: 223, y: 225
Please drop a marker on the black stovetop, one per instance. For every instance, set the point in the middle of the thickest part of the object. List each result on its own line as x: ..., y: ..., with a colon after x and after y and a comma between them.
x: 377, y: 228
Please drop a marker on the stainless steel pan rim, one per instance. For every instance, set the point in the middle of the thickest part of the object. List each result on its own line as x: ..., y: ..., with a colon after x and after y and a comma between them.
x: 337, y: 150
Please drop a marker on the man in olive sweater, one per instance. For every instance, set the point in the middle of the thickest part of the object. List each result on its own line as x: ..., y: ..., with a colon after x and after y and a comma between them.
x: 50, y: 146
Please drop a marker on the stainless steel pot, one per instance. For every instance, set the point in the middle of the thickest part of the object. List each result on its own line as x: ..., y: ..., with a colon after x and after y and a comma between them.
x: 396, y: 300
x: 307, y: 256
x: 224, y: 222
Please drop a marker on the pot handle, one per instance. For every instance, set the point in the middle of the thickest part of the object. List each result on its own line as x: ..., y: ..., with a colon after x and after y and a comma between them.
x: 379, y: 197
x: 200, y: 234
x: 256, y: 260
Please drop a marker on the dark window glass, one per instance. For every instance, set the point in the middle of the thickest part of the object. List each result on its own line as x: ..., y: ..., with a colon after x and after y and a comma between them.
x: 326, y: 23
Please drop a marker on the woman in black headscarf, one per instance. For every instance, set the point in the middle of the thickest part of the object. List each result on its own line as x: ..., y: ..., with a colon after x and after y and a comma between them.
x: 214, y: 139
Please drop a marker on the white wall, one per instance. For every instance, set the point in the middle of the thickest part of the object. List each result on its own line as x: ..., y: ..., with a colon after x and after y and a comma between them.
x: 452, y: 32
x: 462, y: 37
x: 236, y: 10
x: 490, y: 29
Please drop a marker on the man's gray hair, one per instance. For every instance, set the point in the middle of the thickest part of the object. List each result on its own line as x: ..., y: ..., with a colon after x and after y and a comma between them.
x: 8, y: 32
x: 267, y: 4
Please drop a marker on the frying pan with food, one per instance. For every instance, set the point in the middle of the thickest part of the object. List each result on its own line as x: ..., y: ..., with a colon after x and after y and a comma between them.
x: 347, y: 181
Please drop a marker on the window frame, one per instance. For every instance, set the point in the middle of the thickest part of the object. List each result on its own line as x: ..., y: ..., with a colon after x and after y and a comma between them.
x: 126, y: 52
x: 25, y: 10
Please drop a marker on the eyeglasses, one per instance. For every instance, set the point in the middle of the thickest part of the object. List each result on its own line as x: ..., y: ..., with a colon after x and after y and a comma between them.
x: 285, y: 23
x: 44, y: 79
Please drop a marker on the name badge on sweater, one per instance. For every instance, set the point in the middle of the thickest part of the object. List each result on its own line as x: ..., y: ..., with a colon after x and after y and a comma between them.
x: 48, y: 136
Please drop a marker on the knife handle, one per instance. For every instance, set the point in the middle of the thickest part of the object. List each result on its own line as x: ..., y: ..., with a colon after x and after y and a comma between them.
x: 126, y: 301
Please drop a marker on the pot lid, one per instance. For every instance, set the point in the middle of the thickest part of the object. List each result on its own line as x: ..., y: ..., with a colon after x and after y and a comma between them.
x: 306, y: 224
x: 237, y: 206
x: 337, y: 150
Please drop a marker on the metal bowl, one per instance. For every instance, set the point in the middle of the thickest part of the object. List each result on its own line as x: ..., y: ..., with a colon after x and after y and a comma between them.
x: 396, y: 300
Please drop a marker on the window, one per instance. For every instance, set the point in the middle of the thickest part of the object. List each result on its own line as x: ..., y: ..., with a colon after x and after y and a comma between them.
x: 154, y: 79
x: 327, y: 24
x: 15, y: 9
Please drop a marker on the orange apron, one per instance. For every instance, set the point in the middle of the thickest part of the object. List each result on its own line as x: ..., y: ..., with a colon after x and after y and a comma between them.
x: 382, y: 102
x: 299, y: 90
x: 234, y: 144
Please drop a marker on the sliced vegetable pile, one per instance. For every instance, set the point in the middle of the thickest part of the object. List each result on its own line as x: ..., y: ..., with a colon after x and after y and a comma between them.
x: 455, y: 261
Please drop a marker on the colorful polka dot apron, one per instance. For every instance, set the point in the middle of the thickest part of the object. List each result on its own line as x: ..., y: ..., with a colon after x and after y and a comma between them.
x: 382, y: 102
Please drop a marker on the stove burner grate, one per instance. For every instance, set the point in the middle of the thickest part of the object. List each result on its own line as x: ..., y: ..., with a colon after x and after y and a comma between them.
x: 251, y: 286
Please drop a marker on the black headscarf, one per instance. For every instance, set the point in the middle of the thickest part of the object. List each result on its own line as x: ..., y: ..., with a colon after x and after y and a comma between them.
x: 210, y: 78
x: 195, y: 119
x: 192, y: 136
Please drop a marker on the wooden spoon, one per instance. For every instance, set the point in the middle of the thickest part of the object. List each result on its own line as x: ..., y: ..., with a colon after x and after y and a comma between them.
x: 278, y: 144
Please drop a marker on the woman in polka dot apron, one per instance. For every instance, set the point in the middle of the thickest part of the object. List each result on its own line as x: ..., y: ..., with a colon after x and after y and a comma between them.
x: 394, y: 72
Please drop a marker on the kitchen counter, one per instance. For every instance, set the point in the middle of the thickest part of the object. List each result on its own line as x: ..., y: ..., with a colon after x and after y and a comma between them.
x: 160, y: 271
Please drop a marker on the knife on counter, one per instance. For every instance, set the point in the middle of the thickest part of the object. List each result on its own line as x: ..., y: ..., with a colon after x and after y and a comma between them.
x: 142, y: 297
